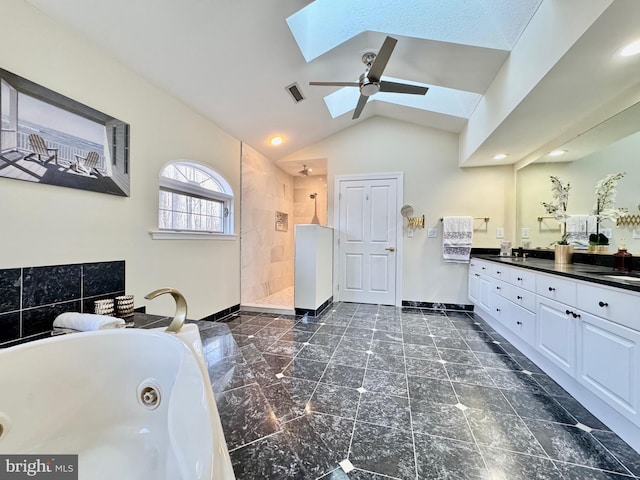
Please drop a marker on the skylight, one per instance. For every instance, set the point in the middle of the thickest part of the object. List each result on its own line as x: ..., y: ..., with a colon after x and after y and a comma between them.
x: 438, y: 99
x: 325, y: 24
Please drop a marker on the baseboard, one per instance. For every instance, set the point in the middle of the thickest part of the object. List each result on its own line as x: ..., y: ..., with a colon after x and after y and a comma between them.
x: 214, y: 317
x: 458, y: 307
x: 317, y: 311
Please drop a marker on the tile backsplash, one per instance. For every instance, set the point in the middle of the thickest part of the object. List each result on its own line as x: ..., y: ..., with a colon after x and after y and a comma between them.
x: 32, y: 297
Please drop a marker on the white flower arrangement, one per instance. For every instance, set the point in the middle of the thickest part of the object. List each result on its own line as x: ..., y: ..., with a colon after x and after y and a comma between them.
x: 558, y: 206
x: 604, y: 208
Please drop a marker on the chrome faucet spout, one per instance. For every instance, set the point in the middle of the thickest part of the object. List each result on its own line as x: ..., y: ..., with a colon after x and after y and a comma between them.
x: 181, y: 307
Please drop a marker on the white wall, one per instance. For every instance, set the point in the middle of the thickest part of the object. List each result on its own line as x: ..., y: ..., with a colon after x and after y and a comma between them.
x: 47, y: 225
x: 434, y: 185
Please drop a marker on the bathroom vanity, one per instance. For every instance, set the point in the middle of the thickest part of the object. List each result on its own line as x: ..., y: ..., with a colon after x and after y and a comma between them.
x: 579, y: 323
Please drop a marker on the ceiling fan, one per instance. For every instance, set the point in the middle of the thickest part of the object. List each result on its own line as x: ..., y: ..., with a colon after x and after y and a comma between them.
x: 305, y: 171
x: 370, y: 83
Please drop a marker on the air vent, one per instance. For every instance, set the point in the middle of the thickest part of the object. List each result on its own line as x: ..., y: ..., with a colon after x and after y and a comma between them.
x: 294, y: 91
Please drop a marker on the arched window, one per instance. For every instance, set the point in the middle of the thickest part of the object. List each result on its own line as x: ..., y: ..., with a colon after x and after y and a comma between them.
x: 194, y: 198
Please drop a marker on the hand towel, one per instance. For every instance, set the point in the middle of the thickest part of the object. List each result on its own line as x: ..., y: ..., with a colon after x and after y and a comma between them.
x: 86, y: 322
x: 457, y: 236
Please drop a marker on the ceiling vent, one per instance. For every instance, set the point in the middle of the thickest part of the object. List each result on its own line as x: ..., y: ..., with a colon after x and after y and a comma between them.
x: 294, y: 91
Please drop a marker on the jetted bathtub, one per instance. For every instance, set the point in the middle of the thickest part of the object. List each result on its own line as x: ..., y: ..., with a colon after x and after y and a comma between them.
x: 133, y: 404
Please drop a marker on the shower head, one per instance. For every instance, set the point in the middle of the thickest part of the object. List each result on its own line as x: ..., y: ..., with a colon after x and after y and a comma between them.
x: 313, y: 195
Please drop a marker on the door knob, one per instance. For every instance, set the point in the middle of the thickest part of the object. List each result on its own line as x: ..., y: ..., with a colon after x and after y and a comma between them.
x: 391, y: 249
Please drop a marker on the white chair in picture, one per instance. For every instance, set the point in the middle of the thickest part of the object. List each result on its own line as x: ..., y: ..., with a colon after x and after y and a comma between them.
x: 40, y: 149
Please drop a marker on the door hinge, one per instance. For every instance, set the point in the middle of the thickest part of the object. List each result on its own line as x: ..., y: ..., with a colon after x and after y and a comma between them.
x: 340, y: 196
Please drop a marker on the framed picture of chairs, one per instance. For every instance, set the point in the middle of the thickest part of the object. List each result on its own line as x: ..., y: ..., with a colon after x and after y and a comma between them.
x: 49, y: 138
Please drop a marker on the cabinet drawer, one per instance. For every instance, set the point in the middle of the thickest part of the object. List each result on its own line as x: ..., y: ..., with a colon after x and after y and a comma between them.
x: 499, y: 271
x: 556, y: 288
x: 499, y: 307
x: 476, y: 265
x: 522, y: 297
x: 617, y: 306
x: 523, y: 279
x: 523, y: 323
x: 500, y: 288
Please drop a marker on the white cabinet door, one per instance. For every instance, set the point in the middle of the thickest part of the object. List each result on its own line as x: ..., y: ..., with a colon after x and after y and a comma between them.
x: 484, y: 291
x: 609, y: 363
x: 556, y: 333
x: 474, y: 281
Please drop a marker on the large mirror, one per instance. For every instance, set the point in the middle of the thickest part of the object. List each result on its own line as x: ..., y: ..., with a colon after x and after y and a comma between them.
x: 611, y: 147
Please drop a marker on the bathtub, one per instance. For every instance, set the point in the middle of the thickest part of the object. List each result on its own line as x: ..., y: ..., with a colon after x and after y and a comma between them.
x: 133, y: 404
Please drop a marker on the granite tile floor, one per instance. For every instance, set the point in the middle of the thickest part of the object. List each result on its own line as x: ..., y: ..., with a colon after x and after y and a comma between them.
x: 377, y: 392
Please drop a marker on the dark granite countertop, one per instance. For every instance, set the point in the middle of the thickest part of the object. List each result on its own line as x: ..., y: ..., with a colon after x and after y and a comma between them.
x: 579, y: 271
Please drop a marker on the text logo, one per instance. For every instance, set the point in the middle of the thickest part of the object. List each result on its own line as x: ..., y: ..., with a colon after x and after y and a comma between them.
x: 49, y: 467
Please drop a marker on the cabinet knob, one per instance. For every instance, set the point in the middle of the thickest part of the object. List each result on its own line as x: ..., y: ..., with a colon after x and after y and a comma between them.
x: 518, y: 323
x: 498, y: 288
x: 497, y: 309
x: 551, y: 289
x: 498, y: 272
x: 519, y: 297
x: 477, y: 274
x: 603, y: 304
x: 519, y: 279
x: 484, y: 268
x: 568, y: 312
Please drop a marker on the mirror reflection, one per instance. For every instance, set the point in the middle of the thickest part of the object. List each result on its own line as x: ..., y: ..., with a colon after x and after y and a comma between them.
x: 609, y: 148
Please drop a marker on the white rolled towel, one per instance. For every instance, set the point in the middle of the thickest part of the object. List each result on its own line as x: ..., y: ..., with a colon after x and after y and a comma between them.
x: 86, y: 322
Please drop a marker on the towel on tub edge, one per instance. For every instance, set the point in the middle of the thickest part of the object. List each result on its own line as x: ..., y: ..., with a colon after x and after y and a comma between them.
x: 86, y: 322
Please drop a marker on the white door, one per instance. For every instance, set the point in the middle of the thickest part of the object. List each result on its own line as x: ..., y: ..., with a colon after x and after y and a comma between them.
x: 368, y: 224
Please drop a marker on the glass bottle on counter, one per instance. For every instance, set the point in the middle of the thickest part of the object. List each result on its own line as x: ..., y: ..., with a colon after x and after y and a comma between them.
x: 622, y: 259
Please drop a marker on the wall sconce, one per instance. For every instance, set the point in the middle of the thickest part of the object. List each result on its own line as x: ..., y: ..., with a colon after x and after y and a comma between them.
x: 412, y: 222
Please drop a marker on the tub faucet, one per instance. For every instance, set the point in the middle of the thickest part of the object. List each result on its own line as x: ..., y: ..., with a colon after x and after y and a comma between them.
x: 181, y: 307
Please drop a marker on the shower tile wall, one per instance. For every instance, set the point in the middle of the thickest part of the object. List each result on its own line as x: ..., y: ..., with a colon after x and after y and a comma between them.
x: 303, y: 206
x: 267, y: 254
x: 31, y: 297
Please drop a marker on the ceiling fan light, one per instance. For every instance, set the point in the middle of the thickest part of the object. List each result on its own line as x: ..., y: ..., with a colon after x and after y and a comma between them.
x: 275, y: 141
x: 631, y: 49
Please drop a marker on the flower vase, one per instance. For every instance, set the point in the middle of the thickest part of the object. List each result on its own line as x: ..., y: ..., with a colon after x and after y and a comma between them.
x: 563, y: 254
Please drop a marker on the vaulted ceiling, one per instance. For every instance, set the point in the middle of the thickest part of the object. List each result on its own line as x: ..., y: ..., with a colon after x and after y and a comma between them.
x: 508, y: 76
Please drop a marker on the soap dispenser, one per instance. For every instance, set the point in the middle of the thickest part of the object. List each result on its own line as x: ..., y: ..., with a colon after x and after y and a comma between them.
x: 622, y: 259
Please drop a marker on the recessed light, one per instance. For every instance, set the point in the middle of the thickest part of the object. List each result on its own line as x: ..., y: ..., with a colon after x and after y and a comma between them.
x: 557, y: 153
x: 275, y: 141
x: 632, y: 49
x: 500, y: 156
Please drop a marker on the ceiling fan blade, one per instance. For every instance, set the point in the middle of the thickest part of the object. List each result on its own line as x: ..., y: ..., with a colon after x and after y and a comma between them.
x: 395, y: 87
x: 336, y: 84
x: 375, y: 72
x: 361, y: 103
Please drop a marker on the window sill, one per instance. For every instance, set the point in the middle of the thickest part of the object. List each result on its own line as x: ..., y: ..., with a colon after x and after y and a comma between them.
x: 177, y: 235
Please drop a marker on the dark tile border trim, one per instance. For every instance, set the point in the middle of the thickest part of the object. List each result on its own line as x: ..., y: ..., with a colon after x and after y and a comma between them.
x: 214, y: 317
x: 316, y: 312
x: 438, y: 306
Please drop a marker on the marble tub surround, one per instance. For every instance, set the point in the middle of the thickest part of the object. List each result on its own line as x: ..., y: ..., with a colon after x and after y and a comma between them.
x: 31, y: 297
x: 397, y: 393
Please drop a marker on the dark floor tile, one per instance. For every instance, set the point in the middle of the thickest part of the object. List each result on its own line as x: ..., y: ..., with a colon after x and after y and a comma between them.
x: 320, y: 441
x: 576, y: 472
x: 580, y: 413
x: 475, y: 334
x: 423, y: 367
x: 550, y: 385
x: 468, y: 374
x: 388, y: 363
x: 335, y: 400
x: 389, y: 383
x: 284, y: 407
x: 389, y: 325
x: 295, y: 335
x: 620, y: 449
x: 446, y: 459
x: 299, y: 390
x: 245, y: 328
x: 307, y: 326
x: 285, y: 347
x: 387, y: 348
x: 466, y: 357
x: 486, y: 347
x: 383, y: 450
x: 226, y: 375
x: 325, y: 339
x: 421, y: 351
x: 418, y: 339
x: 449, y: 342
x: 482, y: 398
x: 263, y: 343
x: 386, y: 410
x: 343, y: 375
x: 355, y: 343
x: 386, y: 336
x: 431, y: 390
x: 505, y: 465
x: 245, y: 415
x: 271, y: 458
x: 284, y: 323
x: 264, y: 374
x: 526, y: 364
x: 497, y: 361
x: 504, y: 431
x: 355, y: 358
x: 539, y: 406
x: 332, y: 329
x: 363, y: 333
x: 271, y: 331
x: 320, y: 353
x: 440, y: 420
x: 305, y: 369
x: 277, y: 362
x: 251, y: 354
x: 571, y: 444
x: 513, y: 380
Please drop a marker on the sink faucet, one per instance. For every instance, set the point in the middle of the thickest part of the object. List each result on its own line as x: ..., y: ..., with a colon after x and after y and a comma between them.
x: 181, y: 307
